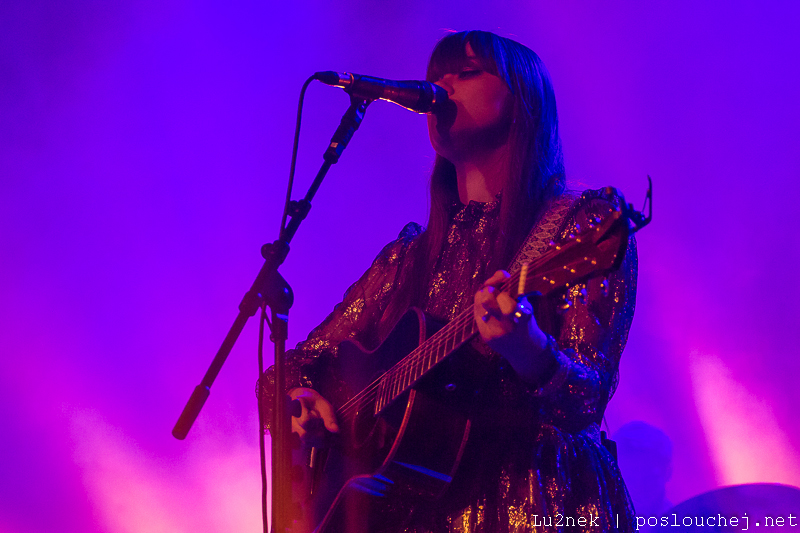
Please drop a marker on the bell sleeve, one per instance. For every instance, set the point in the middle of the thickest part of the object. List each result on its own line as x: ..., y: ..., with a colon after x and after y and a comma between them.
x: 587, y: 338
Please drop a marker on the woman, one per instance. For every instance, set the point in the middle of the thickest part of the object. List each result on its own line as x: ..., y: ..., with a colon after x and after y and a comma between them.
x: 534, y: 461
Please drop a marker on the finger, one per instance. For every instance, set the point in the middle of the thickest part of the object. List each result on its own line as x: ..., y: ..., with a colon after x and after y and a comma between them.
x: 486, y: 305
x: 485, y: 296
x: 297, y: 427
x: 496, y: 303
x: 480, y: 314
x: 302, y: 424
x: 328, y: 416
x: 506, y: 304
x: 497, y: 278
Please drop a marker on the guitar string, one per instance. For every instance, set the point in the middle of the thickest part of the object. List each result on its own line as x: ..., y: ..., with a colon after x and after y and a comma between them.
x: 404, y: 367
x: 433, y: 343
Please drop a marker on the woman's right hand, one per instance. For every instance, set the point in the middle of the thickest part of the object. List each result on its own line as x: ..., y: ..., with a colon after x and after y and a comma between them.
x: 316, y: 419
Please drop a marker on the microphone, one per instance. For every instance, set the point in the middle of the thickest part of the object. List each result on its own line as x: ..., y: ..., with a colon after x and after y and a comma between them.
x: 418, y: 96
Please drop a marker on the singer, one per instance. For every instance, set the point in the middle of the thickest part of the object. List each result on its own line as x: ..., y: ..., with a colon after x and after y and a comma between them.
x: 533, y: 460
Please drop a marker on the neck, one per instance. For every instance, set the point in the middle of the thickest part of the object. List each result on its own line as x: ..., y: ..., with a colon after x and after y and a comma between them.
x: 481, y: 176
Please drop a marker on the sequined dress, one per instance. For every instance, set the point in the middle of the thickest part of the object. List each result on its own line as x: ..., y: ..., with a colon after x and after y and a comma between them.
x: 534, y: 461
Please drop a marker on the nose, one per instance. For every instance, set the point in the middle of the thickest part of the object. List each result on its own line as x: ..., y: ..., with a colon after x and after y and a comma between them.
x: 446, y: 83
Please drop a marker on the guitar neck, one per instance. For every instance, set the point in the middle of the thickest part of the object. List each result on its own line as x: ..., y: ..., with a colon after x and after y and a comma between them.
x: 427, y: 355
x: 444, y: 342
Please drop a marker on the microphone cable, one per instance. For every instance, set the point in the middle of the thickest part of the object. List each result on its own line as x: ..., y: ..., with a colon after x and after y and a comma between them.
x: 295, y: 147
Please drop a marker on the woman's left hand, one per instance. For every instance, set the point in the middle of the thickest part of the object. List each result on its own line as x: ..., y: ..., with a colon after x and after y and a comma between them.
x: 510, y: 328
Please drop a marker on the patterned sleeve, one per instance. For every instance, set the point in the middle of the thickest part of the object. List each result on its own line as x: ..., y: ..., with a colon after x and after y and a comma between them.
x: 356, y: 318
x: 588, y: 337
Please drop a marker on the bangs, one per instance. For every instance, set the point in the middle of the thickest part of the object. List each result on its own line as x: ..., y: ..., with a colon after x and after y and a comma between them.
x: 450, y: 55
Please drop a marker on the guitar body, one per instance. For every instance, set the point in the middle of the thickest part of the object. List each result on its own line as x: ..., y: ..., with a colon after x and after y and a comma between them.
x: 380, y: 465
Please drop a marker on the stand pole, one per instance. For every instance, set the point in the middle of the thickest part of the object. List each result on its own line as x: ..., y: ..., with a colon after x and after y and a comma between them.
x: 269, y: 287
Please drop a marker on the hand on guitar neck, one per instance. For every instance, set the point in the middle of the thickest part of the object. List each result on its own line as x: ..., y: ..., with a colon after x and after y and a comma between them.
x: 510, y: 329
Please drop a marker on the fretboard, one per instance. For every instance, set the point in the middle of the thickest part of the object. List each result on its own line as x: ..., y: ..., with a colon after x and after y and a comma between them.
x: 427, y: 355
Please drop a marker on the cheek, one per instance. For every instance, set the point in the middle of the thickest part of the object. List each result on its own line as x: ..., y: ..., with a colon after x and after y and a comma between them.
x: 502, y: 103
x: 490, y: 106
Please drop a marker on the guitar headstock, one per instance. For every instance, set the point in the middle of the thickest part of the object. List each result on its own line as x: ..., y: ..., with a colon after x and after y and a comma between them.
x: 596, y: 250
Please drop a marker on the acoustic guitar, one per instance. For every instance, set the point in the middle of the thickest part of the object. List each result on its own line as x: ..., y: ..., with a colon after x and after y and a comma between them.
x: 403, y: 434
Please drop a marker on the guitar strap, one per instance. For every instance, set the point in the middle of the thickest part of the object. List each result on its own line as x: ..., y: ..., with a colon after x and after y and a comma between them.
x: 537, y: 242
x: 544, y: 232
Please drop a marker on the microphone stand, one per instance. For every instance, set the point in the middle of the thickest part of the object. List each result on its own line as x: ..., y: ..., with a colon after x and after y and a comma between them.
x: 270, y: 289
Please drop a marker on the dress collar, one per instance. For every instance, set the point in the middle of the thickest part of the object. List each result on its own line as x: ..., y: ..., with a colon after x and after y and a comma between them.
x: 474, y: 210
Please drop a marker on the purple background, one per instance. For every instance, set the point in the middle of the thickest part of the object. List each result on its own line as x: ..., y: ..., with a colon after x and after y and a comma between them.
x: 144, y: 148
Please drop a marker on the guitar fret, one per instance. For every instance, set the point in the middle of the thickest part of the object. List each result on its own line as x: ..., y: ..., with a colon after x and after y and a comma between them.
x: 447, y: 342
x: 388, y: 390
x: 458, y: 336
x: 379, y: 398
x: 433, y: 355
x: 440, y: 352
x: 418, y: 363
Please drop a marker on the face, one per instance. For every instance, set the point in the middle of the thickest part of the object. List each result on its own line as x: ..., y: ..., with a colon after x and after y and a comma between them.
x: 479, y: 115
